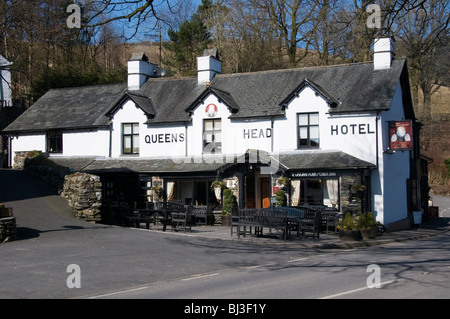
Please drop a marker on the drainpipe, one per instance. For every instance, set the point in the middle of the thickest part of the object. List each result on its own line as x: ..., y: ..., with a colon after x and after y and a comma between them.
x: 110, y: 140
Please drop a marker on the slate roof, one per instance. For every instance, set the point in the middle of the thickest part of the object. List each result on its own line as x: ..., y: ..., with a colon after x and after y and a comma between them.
x: 349, y: 88
x: 355, y: 87
x: 320, y: 160
x: 292, y: 161
x: 153, y: 165
x: 70, y: 108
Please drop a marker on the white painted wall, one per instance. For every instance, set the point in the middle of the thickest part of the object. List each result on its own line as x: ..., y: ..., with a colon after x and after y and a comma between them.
x: 355, y: 134
x: 95, y: 143
x: 128, y: 113
x: 27, y: 142
x: 195, y: 130
x: 388, y: 183
x: 285, y: 130
x: 164, y: 141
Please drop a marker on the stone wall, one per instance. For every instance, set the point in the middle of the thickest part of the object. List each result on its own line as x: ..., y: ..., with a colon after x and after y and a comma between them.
x: 8, y: 230
x: 83, y: 193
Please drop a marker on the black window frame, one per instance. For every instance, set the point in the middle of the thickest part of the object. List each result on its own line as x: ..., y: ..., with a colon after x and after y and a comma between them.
x: 308, y: 127
x: 54, y: 142
x: 217, y: 145
x: 130, y: 135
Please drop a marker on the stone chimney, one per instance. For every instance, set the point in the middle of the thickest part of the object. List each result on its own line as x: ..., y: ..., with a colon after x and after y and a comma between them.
x: 208, y: 66
x: 139, y: 70
x: 383, y: 53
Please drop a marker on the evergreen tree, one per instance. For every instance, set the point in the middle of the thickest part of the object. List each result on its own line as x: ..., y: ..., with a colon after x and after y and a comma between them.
x: 188, y: 43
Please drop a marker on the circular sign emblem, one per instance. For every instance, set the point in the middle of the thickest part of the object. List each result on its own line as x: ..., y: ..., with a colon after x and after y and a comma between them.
x: 212, y: 110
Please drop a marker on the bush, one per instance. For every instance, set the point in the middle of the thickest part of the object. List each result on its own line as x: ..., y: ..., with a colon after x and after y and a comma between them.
x: 362, y: 222
x: 280, y: 198
x: 370, y: 219
x: 349, y: 224
x: 229, y: 201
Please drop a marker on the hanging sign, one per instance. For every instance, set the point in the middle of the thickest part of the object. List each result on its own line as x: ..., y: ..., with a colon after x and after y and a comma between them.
x: 400, y: 135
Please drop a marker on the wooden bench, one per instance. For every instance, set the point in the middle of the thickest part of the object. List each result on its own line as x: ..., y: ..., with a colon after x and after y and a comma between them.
x: 258, y: 219
x: 203, y: 214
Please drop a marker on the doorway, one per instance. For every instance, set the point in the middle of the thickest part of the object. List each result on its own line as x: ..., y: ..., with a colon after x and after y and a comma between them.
x: 265, y: 192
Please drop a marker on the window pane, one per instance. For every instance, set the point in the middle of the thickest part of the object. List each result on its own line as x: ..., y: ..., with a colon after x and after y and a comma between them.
x: 135, y: 128
x: 217, y: 124
x: 127, y: 129
x: 303, y: 132
x: 135, y: 143
x: 208, y: 137
x: 208, y: 125
x: 218, y: 137
x: 303, y: 119
x: 127, y: 144
x: 314, y: 119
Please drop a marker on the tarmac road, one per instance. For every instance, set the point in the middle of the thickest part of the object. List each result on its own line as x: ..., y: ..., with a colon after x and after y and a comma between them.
x: 117, y: 259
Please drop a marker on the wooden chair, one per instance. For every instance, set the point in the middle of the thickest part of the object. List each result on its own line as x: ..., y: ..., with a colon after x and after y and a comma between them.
x: 182, y: 219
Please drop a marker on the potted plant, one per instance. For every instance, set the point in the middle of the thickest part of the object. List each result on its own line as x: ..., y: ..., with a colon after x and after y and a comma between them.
x: 158, y: 193
x: 363, y: 226
x: 348, y: 230
x: 280, y: 197
x: 283, y: 181
x: 229, y: 201
x: 372, y: 225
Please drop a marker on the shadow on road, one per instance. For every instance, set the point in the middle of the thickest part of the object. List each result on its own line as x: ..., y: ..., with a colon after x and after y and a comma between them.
x: 17, y: 185
x: 28, y: 233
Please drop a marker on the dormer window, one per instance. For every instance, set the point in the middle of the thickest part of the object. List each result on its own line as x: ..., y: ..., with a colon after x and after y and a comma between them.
x: 308, y: 130
x: 212, y: 136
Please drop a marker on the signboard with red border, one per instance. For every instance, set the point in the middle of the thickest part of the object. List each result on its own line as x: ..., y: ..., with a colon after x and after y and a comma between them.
x: 400, y: 135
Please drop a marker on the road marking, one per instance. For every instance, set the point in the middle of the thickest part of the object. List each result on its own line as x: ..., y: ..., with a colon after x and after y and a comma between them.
x: 355, y: 290
x: 199, y: 276
x: 298, y: 259
x: 119, y: 292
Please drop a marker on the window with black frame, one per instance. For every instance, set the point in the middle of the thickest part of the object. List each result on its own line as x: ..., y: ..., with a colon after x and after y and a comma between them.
x: 130, y: 138
x: 54, y: 142
x: 308, y: 130
x: 212, y: 136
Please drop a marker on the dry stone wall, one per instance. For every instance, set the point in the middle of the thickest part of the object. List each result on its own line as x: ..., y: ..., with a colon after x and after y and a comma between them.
x: 83, y: 192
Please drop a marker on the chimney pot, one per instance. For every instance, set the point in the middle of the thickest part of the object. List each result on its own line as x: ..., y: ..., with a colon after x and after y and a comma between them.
x: 139, y: 70
x: 208, y: 66
x: 383, y: 53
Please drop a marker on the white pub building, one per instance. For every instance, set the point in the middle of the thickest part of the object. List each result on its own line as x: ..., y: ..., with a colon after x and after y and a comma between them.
x: 338, y: 133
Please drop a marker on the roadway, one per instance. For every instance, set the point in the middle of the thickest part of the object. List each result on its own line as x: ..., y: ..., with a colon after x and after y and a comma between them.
x: 119, y: 262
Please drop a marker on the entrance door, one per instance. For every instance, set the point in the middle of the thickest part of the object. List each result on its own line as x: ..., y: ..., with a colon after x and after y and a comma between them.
x: 265, y: 192
x: 250, y: 193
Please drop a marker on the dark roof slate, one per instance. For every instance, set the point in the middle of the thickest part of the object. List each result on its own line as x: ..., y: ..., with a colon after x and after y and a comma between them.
x: 70, y: 108
x: 355, y: 87
x: 315, y: 160
x: 159, y: 166
x: 171, y: 98
x: 349, y: 88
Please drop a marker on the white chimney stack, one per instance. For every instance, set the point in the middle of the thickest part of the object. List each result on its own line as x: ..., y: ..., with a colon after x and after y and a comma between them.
x: 383, y: 53
x: 139, y: 70
x: 208, y: 66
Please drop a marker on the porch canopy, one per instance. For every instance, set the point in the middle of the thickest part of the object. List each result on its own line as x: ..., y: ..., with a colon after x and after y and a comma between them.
x: 321, y: 160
